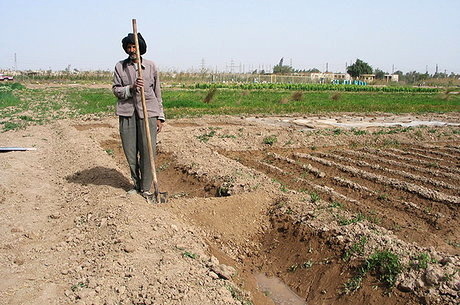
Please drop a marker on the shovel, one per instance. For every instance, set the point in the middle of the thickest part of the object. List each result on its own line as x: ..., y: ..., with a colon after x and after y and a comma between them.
x: 159, y: 197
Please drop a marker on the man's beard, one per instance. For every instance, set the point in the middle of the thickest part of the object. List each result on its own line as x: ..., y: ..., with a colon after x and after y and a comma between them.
x: 133, y: 56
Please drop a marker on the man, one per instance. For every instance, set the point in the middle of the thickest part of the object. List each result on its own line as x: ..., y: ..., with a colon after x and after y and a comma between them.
x: 127, y: 88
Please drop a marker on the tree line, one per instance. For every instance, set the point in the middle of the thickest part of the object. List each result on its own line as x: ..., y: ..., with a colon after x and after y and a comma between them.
x: 359, y: 67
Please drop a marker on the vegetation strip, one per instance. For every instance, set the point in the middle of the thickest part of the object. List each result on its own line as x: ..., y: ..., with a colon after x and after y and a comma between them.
x: 398, y: 184
x: 21, y: 106
x: 313, y: 87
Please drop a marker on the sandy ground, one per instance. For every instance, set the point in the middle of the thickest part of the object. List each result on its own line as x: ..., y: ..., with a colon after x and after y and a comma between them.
x: 239, y: 209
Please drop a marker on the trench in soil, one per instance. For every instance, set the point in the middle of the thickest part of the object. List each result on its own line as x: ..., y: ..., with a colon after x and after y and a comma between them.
x: 171, y: 178
x: 312, y: 266
x: 296, y: 265
x: 292, y: 263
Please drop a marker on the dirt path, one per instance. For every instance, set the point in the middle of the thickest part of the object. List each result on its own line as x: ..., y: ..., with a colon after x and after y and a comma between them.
x: 239, y: 209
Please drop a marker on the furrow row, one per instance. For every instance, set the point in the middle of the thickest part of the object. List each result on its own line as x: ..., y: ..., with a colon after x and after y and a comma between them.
x: 433, y: 159
x: 352, y: 185
x: 447, y: 173
x: 307, y: 167
x: 360, y: 192
x: 435, y: 150
x: 452, y: 149
x: 391, y: 171
x: 382, y: 159
x: 395, y: 183
x: 325, y: 189
x: 360, y: 188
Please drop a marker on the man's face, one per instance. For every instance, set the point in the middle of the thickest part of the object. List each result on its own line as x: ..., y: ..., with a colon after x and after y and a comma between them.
x: 131, y: 50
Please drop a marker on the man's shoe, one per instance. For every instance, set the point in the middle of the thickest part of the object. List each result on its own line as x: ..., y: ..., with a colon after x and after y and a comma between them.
x: 149, y: 196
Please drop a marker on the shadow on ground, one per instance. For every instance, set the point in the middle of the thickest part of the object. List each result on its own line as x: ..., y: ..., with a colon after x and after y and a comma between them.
x: 100, y: 176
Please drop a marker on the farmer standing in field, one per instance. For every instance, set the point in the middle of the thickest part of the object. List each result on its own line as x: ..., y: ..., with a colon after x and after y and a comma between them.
x: 126, y: 87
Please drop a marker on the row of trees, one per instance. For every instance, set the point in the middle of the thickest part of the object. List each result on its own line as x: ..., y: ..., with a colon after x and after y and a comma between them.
x: 360, y: 67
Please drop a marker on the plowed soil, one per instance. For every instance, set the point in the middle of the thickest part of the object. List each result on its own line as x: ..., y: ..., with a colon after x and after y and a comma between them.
x: 249, y: 199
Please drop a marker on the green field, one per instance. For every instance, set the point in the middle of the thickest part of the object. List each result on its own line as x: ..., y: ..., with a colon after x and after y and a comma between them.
x: 20, y: 106
x: 227, y: 101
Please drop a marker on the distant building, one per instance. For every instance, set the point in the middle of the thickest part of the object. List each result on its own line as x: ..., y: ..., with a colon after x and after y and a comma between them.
x: 342, y: 76
x: 391, y: 78
x: 329, y: 76
x: 367, y: 77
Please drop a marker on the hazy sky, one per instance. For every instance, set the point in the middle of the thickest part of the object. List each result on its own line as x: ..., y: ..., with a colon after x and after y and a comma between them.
x: 185, y: 34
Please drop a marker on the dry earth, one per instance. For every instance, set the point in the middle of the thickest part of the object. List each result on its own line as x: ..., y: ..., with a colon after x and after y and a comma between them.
x: 251, y: 201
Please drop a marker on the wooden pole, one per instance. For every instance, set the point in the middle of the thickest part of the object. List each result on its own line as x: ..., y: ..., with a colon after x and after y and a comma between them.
x: 146, y: 117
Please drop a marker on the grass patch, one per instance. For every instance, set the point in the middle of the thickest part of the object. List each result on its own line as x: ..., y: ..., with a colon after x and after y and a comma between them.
x: 383, y: 197
x: 238, y: 295
x: 110, y: 152
x: 87, y: 101
x: 392, y: 130
x: 7, y: 99
x: 7, y: 94
x: 421, y: 261
x: 355, y: 249
x: 189, y: 254
x: 336, y: 205
x: 342, y: 221
x: 11, y: 126
x: 11, y: 86
x: 314, y: 197
x: 270, y: 140
x: 359, y: 132
x: 232, y: 101
x: 206, y: 136
x: 385, y: 265
x: 50, y: 103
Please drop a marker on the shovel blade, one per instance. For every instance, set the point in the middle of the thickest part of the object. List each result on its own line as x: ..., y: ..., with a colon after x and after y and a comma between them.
x: 162, y: 197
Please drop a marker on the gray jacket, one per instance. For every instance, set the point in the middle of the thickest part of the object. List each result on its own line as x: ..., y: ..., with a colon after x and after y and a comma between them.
x: 129, y: 100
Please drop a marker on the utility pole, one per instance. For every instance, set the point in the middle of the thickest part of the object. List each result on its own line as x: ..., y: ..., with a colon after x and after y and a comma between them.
x: 232, y: 65
x: 327, y: 67
x: 203, y: 66
x: 15, y: 62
